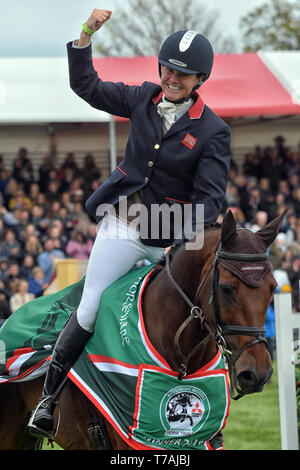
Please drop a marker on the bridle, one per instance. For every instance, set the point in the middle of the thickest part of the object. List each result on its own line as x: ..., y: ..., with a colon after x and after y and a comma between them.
x: 221, y: 329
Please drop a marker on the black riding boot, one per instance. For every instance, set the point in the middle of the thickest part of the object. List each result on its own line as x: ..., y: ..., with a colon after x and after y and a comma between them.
x: 68, y: 348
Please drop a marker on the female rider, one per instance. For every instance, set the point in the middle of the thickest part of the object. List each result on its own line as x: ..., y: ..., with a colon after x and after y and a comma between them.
x: 178, y: 154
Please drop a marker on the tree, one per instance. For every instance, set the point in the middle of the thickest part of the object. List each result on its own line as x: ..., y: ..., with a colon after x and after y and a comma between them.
x: 272, y: 26
x: 138, y: 27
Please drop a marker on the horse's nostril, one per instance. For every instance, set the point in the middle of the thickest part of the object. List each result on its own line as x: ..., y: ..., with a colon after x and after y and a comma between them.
x: 248, y: 380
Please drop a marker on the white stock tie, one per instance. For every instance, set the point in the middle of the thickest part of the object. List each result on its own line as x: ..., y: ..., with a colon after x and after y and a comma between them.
x: 167, y: 111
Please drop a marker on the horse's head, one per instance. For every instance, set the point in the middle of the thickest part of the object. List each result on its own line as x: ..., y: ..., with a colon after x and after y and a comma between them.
x: 242, y: 284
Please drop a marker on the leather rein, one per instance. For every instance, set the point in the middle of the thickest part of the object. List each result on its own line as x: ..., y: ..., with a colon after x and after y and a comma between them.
x: 221, y: 329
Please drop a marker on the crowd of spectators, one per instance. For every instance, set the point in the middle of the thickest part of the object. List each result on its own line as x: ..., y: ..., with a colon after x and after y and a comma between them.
x: 42, y: 219
x: 42, y: 216
x: 265, y: 185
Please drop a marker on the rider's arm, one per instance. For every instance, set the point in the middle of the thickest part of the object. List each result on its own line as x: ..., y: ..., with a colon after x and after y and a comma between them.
x: 114, y: 98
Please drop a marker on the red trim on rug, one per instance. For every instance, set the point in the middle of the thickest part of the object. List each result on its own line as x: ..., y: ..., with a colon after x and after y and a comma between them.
x: 140, y: 312
x: 27, y: 372
x: 99, y: 358
x: 130, y: 442
x: 17, y: 353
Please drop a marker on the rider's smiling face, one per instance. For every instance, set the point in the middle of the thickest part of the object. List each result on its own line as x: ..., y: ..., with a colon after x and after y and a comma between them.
x: 177, y: 85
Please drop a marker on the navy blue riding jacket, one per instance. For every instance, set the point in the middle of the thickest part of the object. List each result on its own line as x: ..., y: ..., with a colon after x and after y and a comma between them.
x: 187, y: 165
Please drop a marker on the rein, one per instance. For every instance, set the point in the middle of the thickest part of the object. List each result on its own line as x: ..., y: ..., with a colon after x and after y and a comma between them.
x: 221, y: 329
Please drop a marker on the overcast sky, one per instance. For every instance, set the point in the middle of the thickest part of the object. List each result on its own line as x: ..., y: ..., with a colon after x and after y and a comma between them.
x: 42, y: 27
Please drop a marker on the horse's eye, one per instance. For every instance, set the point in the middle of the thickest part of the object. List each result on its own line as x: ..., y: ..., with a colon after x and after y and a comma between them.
x: 227, y: 290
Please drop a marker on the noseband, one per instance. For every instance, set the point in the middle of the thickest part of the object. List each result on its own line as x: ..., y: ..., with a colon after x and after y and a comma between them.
x: 221, y: 328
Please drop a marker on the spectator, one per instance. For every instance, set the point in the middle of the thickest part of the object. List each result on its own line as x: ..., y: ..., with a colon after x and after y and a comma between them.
x: 12, y: 273
x: 41, y: 201
x: 92, y: 232
x: 24, y: 224
x: 21, y: 297
x: 80, y: 218
x: 52, y: 194
x: 232, y: 195
x: 45, y: 169
x: 69, y: 163
x: 53, y: 209
x: 33, y: 193
x: 11, y: 188
x: 294, y: 276
x: 28, y: 230
x: 5, y: 310
x: 5, y: 289
x: 33, y: 246
x: 19, y: 200
x: 294, y: 180
x: 296, y: 200
x: 267, y: 199
x: 252, y: 165
x: 11, y: 247
x: 57, y: 235
x: 27, y: 266
x: 271, y: 168
x: 279, y: 145
x: 65, y: 200
x: 23, y: 170
x: 89, y: 173
x: 2, y: 227
x: 79, y: 247
x: 47, y: 259
x: 3, y: 268
x: 65, y: 217
x: 4, y: 177
x: 282, y: 279
x: 295, y: 245
x: 37, y: 214
x: 260, y: 220
x: 75, y: 190
x: 66, y: 181
x: 36, y: 282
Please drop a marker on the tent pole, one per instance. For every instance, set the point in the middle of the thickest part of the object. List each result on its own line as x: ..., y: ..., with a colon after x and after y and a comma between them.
x: 112, y: 141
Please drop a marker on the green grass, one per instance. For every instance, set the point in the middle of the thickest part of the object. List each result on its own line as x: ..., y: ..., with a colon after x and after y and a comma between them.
x: 253, y: 422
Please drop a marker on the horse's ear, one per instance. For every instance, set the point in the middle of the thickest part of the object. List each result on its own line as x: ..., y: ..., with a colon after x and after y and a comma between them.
x: 229, y: 232
x: 270, y: 231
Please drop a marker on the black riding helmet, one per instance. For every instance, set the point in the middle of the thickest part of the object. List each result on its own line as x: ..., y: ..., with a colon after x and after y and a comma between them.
x: 187, y: 51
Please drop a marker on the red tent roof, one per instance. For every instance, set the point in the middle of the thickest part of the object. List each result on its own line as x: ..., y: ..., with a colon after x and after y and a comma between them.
x: 240, y: 84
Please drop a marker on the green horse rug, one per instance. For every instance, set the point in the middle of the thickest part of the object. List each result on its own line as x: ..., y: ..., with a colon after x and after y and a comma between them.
x: 119, y: 370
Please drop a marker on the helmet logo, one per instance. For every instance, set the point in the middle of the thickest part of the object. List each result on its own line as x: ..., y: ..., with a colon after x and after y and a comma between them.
x: 177, y: 62
x: 186, y: 40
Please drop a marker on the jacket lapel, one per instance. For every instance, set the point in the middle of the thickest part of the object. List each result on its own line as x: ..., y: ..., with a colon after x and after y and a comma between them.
x: 156, y: 119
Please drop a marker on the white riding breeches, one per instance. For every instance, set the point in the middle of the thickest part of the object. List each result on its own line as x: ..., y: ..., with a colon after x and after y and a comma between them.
x: 117, y: 248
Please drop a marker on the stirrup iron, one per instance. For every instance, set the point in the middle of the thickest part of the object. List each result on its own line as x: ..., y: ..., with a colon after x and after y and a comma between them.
x: 41, y: 432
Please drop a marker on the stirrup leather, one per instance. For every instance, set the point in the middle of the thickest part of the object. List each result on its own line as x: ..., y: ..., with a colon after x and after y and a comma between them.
x: 39, y: 431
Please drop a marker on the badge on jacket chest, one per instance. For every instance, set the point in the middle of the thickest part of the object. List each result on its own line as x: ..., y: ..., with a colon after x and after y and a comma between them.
x: 189, y: 141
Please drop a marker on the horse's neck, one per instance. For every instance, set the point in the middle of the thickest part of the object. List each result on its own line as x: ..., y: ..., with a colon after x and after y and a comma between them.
x: 167, y: 309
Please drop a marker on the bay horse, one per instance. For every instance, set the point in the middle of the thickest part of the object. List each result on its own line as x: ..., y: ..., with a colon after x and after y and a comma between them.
x: 202, y: 300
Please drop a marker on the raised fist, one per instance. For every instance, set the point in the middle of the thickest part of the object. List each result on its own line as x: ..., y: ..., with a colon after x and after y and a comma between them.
x: 98, y: 18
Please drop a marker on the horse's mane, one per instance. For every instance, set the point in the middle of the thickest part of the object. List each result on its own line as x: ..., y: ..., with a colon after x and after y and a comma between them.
x: 180, y: 243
